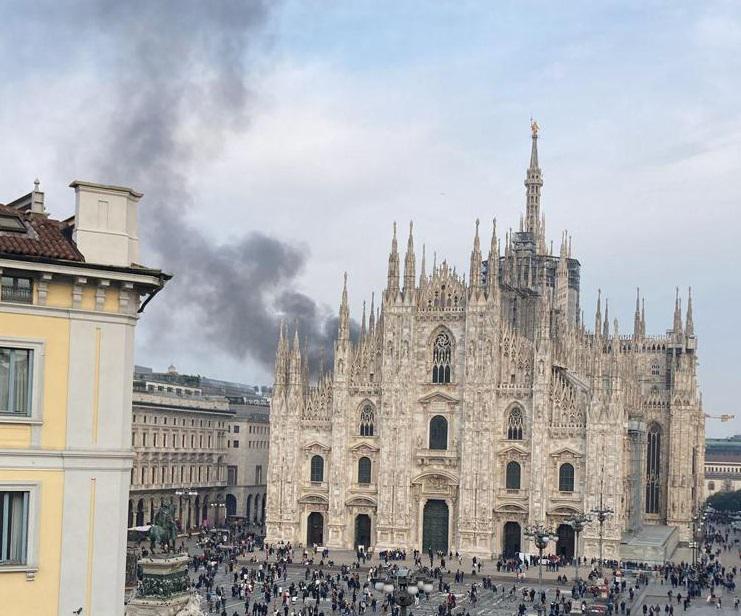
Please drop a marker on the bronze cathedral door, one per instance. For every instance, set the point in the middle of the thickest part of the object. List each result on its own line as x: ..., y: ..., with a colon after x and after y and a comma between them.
x: 435, y: 526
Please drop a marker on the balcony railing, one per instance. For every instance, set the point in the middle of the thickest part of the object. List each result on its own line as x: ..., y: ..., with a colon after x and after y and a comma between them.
x: 18, y: 295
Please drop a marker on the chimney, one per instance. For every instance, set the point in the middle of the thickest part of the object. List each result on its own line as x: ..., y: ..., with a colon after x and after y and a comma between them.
x: 37, y: 199
x: 106, y: 228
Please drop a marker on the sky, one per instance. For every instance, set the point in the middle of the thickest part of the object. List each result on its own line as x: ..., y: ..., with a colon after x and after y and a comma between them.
x: 294, y: 134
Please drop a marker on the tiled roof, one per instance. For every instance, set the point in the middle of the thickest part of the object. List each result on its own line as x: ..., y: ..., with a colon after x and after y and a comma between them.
x: 43, y: 237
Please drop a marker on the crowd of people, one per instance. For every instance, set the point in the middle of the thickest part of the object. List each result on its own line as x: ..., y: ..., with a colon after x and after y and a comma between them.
x: 254, y: 580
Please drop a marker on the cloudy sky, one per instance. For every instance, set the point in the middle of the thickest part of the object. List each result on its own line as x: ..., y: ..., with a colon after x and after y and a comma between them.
x: 276, y: 143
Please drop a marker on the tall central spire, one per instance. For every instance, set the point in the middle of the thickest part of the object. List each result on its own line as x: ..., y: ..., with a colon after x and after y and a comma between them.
x: 533, y: 184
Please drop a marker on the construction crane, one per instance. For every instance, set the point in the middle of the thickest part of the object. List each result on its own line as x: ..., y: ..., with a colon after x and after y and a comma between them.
x: 723, y: 418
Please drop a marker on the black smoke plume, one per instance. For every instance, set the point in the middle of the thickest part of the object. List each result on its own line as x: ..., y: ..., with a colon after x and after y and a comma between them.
x: 179, y: 72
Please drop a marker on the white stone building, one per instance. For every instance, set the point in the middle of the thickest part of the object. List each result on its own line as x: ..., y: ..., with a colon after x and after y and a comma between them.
x: 247, y: 460
x: 470, y: 409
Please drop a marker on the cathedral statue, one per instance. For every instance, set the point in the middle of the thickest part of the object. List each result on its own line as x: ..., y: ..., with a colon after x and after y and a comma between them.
x: 536, y: 418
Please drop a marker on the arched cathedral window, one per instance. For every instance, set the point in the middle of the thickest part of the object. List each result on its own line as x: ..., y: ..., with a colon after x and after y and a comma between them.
x: 438, y: 432
x: 515, y: 423
x: 366, y: 420
x: 441, y: 358
x: 512, y: 476
x: 653, y: 469
x: 364, y: 470
x: 317, y: 468
x: 566, y: 478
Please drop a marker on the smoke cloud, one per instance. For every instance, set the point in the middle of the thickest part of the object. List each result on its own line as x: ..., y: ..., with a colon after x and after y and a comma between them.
x: 180, y: 74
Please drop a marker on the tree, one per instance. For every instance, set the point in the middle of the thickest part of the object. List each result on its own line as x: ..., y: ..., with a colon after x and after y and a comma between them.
x: 725, y: 501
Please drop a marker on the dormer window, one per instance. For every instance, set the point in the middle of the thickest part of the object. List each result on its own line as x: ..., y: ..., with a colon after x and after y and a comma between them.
x: 11, y: 223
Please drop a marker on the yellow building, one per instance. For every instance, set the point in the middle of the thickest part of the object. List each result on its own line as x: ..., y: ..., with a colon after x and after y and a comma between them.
x: 71, y: 296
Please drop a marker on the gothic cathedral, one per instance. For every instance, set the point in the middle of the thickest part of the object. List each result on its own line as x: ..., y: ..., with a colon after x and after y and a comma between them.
x: 467, y: 410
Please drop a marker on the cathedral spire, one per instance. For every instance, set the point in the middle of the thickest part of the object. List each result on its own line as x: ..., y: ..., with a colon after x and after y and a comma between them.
x: 422, y: 269
x: 281, y: 357
x: 409, y: 265
x: 392, y: 288
x: 492, y: 264
x: 562, y: 282
x: 637, y: 316
x: 677, y: 327
x: 533, y: 184
x: 643, y: 317
x: 362, y: 323
x: 606, y: 327
x: 295, y: 367
x: 372, y: 315
x: 690, y: 327
x: 343, y: 329
x: 474, y: 276
x: 598, y: 314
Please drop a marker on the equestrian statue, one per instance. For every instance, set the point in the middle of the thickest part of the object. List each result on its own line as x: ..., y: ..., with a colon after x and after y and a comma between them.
x: 163, y: 531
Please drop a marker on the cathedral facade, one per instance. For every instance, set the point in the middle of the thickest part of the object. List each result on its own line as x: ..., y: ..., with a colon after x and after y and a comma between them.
x: 469, y: 409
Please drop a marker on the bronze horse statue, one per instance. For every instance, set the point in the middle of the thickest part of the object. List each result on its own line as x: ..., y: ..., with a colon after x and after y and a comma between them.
x: 163, y: 531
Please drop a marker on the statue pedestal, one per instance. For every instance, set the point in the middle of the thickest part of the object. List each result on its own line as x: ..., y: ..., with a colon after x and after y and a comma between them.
x: 165, y: 588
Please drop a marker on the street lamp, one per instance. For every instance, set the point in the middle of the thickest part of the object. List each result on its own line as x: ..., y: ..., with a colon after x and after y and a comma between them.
x: 217, y: 507
x: 187, y: 494
x: 577, y: 522
x: 602, y: 514
x: 403, y: 586
x: 698, y: 521
x: 541, y: 536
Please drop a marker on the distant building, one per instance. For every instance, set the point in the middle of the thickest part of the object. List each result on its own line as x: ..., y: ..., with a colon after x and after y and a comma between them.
x: 722, y: 464
x: 72, y: 294
x: 180, y: 441
x: 247, y: 459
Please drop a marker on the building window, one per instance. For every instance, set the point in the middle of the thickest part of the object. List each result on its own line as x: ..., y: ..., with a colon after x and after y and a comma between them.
x: 514, y: 424
x: 14, y: 527
x: 16, y: 380
x: 438, y: 432
x: 258, y: 473
x: 653, y: 469
x: 566, y: 478
x: 235, y: 444
x: 441, y: 358
x: 16, y: 289
x: 366, y: 420
x: 512, y: 480
x: 236, y: 429
x: 317, y: 468
x: 364, y: 470
x: 231, y: 475
x: 711, y: 486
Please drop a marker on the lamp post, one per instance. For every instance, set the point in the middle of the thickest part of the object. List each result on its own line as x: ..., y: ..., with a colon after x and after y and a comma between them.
x: 541, y: 536
x: 602, y: 514
x: 698, y: 521
x: 217, y: 507
x: 403, y: 586
x: 577, y: 522
x: 187, y: 494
